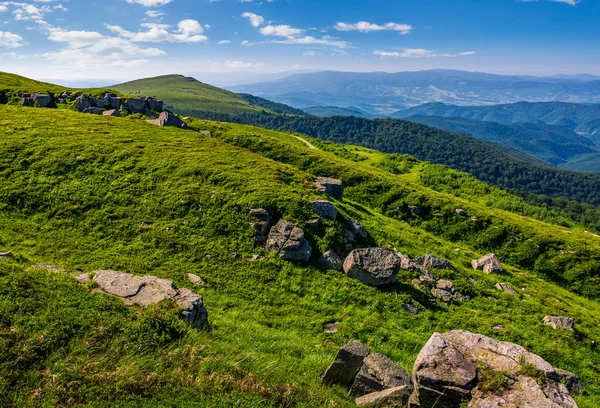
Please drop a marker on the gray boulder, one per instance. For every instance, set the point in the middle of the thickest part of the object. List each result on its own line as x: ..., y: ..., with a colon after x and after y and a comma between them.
x: 289, y: 242
x: 331, y: 260
x: 347, y: 363
x: 155, y: 104
x: 136, y: 105
x: 82, y: 103
x: 103, y: 102
x: 261, y: 225
x: 115, y: 103
x: 332, y: 187
x: 42, y: 100
x: 488, y: 264
x: 392, y: 397
x: 148, y: 290
x: 562, y: 323
x: 357, y: 229
x: 506, y: 288
x: 377, y: 374
x: 325, y: 209
x: 372, y: 266
x: 570, y: 380
x: 93, y: 111
x: 432, y: 262
x: 112, y: 112
x: 166, y: 118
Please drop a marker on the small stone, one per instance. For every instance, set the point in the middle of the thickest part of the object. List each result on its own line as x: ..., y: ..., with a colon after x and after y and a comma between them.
x: 6, y: 254
x: 256, y: 258
x: 331, y: 260
x: 373, y: 266
x: 330, y: 327
x: 506, y: 288
x: 461, y: 212
x: 570, y: 380
x: 357, y: 229
x: 195, y: 279
x: 499, y: 327
x: 488, y: 264
x: 147, y: 224
x: 563, y: 323
x: 205, y: 133
x: 410, y: 308
x: 432, y: 262
x: 414, y: 209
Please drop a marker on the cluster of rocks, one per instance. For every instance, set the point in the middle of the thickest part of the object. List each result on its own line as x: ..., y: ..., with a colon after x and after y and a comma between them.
x: 442, y: 289
x: 43, y: 101
x: 488, y: 264
x: 143, y: 104
x: 451, y: 371
x: 373, y: 379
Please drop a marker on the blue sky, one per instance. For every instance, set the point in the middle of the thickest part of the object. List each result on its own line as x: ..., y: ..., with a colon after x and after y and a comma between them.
x: 233, y: 40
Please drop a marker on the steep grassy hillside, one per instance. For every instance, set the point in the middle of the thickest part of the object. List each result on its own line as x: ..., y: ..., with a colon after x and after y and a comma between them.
x: 556, y: 145
x: 75, y: 189
x: 186, y: 94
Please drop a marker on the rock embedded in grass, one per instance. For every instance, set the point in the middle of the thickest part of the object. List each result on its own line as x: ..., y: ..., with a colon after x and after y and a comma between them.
x: 334, y: 188
x: 562, y: 323
x: 570, y: 380
x: 488, y: 264
x: 348, y: 361
x: 506, y: 288
x: 289, y: 242
x: 167, y: 118
x: 373, y: 266
x: 357, y: 229
x: 377, y: 374
x: 325, y: 209
x: 432, y: 262
x: 331, y: 260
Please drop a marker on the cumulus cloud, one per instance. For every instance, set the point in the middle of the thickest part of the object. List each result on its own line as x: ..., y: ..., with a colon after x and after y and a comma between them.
x: 188, y: 31
x: 74, y: 39
x: 223, y: 42
x: 149, y: 3
x: 10, y: 40
x: 280, y: 30
x: 309, y: 40
x: 419, y: 53
x: 255, y: 19
x: 366, y: 27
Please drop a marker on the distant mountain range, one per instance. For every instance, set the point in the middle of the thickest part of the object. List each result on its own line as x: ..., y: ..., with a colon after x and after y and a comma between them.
x: 381, y: 93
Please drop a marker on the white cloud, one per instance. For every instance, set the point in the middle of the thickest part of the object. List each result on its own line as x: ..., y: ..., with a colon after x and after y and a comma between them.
x: 75, y: 39
x: 419, y: 53
x: 154, y: 13
x: 3, y: 9
x: 242, y: 65
x: 280, y: 31
x: 223, y: 42
x: 309, y: 40
x: 10, y: 40
x: 255, y: 19
x: 149, y: 3
x: 366, y: 27
x: 189, y: 31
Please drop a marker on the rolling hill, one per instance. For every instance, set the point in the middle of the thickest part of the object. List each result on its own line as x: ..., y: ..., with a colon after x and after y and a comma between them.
x: 327, y: 111
x: 84, y: 192
x: 381, y: 93
x: 554, y: 144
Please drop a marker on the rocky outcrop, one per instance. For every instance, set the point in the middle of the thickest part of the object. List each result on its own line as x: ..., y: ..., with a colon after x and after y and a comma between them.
x: 331, y: 260
x: 488, y: 264
x: 373, y: 266
x: 167, y: 118
x: 325, y: 209
x: 444, y: 291
x: 142, y: 104
x: 261, y: 225
x: 432, y: 262
x: 450, y: 366
x: 148, y: 290
x: 289, y: 242
x: 506, y: 288
x: 332, y: 187
x: 562, y: 323
x: 43, y: 101
x: 347, y: 363
x: 93, y: 110
x: 136, y: 105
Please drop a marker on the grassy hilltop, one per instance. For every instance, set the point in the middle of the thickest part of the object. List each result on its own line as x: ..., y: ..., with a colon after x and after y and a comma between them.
x: 75, y: 189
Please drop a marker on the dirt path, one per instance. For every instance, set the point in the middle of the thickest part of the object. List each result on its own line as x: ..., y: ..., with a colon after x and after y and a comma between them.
x: 305, y: 142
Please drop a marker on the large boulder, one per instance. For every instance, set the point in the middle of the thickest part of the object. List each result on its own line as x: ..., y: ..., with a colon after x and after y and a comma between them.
x: 148, y: 290
x: 325, y: 209
x: 289, y: 242
x: 82, y: 103
x: 562, y: 323
x: 115, y: 103
x: 42, y: 100
x: 373, y: 266
x: 136, y: 105
x: 93, y: 111
x: 450, y: 366
x: 103, y: 102
x: 332, y: 187
x: 432, y: 262
x: 377, y: 374
x: 347, y: 363
x: 331, y: 260
x: 155, y: 104
x: 166, y: 118
x: 488, y: 264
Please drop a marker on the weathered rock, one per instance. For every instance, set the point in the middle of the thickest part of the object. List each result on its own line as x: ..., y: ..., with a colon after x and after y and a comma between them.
x: 410, y: 308
x: 461, y: 212
x: 498, y: 327
x: 195, y: 279
x: 442, y: 376
x: 262, y: 225
x: 136, y: 105
x: 325, y: 209
x: 112, y: 112
x: 331, y: 260
x: 103, y: 102
x: 506, y: 288
x: 289, y: 242
x: 427, y: 276
x: 357, y: 229
x: 488, y: 264
x: 444, y: 291
x: 405, y: 262
x: 82, y: 103
x: 570, y: 380
x: 563, y: 323
x: 115, y: 103
x: 330, y: 327
x: 349, y: 236
x: 432, y: 262
x: 166, y: 118
x: 6, y: 254
x: 314, y: 223
x: 332, y: 187
x: 42, y: 100
x: 372, y: 266
x: 378, y: 373
x: 347, y: 363
x: 147, y: 290
x: 205, y: 133
x: 256, y: 258
x: 155, y: 104
x: 392, y: 397
x: 525, y: 393
x: 93, y: 111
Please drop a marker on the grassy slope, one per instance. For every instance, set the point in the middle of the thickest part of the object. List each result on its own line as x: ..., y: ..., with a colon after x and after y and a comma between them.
x: 185, y: 94
x: 74, y: 191
x: 16, y: 83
